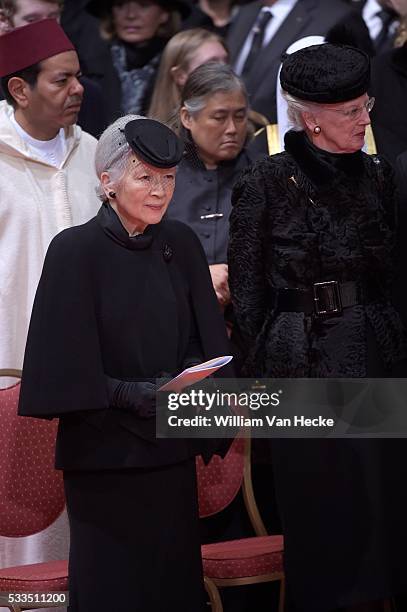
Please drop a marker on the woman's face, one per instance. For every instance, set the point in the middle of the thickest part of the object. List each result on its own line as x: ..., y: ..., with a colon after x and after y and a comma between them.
x: 137, y: 22
x: 142, y: 194
x: 342, y: 125
x: 219, y: 130
x: 209, y: 51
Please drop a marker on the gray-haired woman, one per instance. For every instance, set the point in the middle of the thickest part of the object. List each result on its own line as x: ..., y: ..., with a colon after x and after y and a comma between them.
x: 121, y: 300
x: 213, y: 119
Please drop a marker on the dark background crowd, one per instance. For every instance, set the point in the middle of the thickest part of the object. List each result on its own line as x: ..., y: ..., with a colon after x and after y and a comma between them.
x: 209, y: 69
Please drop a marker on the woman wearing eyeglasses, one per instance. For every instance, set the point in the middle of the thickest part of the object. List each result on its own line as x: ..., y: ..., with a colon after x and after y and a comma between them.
x: 311, y: 268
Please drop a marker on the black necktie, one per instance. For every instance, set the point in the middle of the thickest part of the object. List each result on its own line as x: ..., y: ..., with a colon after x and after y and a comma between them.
x: 257, y: 42
x: 382, y: 41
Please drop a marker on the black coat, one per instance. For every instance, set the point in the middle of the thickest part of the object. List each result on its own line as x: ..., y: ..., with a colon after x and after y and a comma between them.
x: 200, y: 192
x: 332, y: 221
x: 301, y: 217
x: 307, y: 18
x: 110, y: 305
x: 389, y: 117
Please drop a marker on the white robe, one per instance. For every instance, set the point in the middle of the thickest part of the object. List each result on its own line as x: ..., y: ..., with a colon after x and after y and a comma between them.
x: 37, y: 200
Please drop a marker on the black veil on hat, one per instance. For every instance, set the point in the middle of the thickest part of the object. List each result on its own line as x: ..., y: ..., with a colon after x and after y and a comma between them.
x: 326, y: 73
x: 101, y: 8
x: 154, y: 142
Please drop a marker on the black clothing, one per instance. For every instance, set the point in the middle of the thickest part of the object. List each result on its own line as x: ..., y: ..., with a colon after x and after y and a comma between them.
x: 202, y: 200
x: 401, y: 175
x: 342, y: 229
x: 301, y: 217
x: 389, y: 86
x: 154, y: 142
x: 134, y: 396
x: 134, y: 540
x: 326, y: 73
x: 125, y: 73
x: 129, y: 308
x: 105, y: 303
x: 91, y: 117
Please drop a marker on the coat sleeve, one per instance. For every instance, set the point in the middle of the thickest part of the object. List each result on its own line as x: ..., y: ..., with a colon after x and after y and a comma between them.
x: 63, y: 370
x: 208, y: 317
x: 246, y: 253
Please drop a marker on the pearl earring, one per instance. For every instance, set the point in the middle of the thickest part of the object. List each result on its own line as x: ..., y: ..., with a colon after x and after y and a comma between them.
x: 317, y: 130
x: 112, y: 195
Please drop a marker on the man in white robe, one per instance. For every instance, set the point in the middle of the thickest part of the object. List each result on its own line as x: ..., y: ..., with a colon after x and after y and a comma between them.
x: 47, y: 175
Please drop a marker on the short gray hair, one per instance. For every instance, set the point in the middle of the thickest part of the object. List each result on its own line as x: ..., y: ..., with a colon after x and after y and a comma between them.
x: 295, y: 108
x: 207, y: 80
x: 113, y: 152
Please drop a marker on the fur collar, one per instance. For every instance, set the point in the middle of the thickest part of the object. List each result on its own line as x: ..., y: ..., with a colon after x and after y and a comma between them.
x: 320, y: 166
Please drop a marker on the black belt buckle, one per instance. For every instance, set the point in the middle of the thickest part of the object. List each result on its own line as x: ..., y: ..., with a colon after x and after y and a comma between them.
x: 327, y: 298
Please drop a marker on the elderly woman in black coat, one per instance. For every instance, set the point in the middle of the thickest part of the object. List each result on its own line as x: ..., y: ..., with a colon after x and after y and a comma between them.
x: 123, y: 299
x: 311, y: 263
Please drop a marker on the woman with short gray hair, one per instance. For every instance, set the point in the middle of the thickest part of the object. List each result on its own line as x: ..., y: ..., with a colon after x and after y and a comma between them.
x: 124, y: 300
x: 213, y: 120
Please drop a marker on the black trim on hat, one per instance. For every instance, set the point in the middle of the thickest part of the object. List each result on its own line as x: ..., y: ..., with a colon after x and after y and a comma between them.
x: 326, y: 73
x: 154, y: 142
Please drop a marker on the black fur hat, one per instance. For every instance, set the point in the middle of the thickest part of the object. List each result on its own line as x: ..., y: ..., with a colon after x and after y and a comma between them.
x: 326, y: 73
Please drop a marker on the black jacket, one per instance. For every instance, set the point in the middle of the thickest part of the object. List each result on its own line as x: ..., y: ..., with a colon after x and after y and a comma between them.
x: 389, y: 117
x: 302, y: 217
x: 200, y: 194
x: 128, y: 308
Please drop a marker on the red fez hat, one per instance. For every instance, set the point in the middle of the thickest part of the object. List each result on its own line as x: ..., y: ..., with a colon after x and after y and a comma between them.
x: 30, y: 44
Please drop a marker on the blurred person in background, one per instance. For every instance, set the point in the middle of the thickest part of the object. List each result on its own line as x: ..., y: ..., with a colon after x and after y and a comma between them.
x: 382, y: 19
x: 264, y: 29
x: 184, y: 52
x: 389, y: 86
x: 135, y: 34
x: 214, y: 15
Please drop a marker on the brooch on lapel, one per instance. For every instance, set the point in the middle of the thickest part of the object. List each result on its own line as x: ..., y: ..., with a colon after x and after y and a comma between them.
x: 167, y: 252
x: 294, y: 180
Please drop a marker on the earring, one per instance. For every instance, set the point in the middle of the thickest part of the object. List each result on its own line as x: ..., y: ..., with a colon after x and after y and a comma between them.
x: 317, y: 129
x: 112, y: 195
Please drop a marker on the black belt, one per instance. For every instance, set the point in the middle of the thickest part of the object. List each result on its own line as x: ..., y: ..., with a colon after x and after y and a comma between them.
x: 324, y: 299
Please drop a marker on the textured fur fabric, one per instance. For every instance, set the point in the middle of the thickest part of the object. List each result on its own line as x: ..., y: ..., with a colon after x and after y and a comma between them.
x: 306, y: 216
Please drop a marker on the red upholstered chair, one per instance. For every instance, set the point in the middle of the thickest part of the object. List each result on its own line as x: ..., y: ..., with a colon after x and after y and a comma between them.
x: 31, y: 495
x: 243, y: 561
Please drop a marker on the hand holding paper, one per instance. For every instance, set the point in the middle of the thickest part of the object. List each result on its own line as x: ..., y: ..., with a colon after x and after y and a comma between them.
x: 190, y: 376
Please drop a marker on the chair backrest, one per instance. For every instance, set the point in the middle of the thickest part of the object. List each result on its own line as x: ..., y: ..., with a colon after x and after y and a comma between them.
x: 220, y: 481
x: 31, y: 490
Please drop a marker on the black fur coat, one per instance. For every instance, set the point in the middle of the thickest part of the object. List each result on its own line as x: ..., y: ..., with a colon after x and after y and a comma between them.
x: 306, y: 216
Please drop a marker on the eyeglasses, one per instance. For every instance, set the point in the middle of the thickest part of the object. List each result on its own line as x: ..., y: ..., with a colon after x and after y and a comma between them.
x: 355, y: 112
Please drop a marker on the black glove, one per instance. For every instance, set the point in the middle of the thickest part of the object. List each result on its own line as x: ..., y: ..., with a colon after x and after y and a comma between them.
x: 136, y: 397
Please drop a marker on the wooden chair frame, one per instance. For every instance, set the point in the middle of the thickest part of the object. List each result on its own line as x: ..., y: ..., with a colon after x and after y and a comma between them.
x: 212, y: 584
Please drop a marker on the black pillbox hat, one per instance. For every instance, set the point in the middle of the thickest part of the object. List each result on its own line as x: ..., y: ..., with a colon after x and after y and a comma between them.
x: 154, y: 142
x: 326, y: 73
